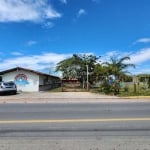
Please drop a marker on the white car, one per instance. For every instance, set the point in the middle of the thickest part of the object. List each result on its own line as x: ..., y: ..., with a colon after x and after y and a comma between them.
x: 8, y: 87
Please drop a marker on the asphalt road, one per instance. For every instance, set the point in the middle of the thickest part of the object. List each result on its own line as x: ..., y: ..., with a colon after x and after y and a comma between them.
x: 59, y: 120
x: 79, y: 126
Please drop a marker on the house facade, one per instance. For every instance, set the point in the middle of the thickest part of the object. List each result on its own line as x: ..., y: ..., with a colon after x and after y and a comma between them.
x: 28, y: 80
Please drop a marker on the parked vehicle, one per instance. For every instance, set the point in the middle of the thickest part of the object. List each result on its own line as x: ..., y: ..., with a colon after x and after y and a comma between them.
x: 8, y: 87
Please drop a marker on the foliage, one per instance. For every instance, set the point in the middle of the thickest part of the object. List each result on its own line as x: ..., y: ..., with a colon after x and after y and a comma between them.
x: 127, y: 90
x: 141, y: 91
x: 117, y: 67
x: 106, y: 87
x: 145, y: 78
x: 115, y: 71
x: 127, y: 78
x: 76, y: 67
x: 100, y: 72
x: 69, y: 67
x: 110, y: 86
x: 148, y: 82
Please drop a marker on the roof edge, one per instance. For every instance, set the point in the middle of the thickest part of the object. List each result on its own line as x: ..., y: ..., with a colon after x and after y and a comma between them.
x: 26, y: 69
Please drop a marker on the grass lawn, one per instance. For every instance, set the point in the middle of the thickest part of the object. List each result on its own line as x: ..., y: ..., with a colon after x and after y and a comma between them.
x: 141, y: 90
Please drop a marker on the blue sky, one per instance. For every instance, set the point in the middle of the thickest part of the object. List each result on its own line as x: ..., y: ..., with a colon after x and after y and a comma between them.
x: 37, y: 34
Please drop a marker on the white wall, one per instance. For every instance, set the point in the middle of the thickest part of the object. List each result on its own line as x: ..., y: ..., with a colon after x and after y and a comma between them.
x: 32, y: 80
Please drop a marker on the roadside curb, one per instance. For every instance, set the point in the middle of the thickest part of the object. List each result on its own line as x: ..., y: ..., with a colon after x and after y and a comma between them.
x: 73, y: 100
x: 137, y: 97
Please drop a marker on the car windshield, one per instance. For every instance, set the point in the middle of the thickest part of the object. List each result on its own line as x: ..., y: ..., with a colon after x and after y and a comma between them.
x: 8, y: 83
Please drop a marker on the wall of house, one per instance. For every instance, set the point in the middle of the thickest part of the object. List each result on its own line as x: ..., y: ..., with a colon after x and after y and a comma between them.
x: 25, y: 81
x: 42, y: 79
x: 47, y: 83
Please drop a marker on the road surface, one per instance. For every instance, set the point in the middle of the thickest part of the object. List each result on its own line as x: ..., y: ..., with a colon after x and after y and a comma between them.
x: 75, y: 126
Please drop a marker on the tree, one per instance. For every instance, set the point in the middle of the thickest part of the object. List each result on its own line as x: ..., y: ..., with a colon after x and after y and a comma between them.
x: 76, y: 67
x: 69, y: 67
x: 100, y: 72
x: 117, y: 67
x: 116, y: 72
x: 90, y: 61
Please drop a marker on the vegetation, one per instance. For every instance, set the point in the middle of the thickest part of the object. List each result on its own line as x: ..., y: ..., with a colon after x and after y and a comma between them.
x: 116, y: 74
x: 126, y: 90
x: 141, y: 90
x: 110, y: 75
x: 145, y: 78
x: 117, y: 67
x: 76, y: 67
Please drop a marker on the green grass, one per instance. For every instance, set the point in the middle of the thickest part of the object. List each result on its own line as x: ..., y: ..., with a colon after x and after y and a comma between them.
x: 56, y: 90
x: 141, y: 91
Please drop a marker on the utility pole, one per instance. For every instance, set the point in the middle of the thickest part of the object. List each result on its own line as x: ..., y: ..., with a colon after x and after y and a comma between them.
x: 87, y: 73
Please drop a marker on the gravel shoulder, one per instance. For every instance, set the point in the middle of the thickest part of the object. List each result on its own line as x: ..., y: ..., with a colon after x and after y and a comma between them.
x: 66, y: 97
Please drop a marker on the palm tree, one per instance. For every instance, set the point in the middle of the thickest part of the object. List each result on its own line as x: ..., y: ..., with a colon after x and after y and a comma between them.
x: 117, y: 67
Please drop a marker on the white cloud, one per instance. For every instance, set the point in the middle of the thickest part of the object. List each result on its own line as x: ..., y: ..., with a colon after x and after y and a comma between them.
x: 140, y: 56
x: 31, y: 42
x: 26, y: 10
x: 16, y: 53
x: 142, y: 40
x: 115, y: 54
x: 140, y: 59
x: 111, y: 53
x: 36, y: 62
x: 140, y: 69
x: 46, y: 60
x: 63, y: 1
x: 136, y: 58
x: 81, y: 12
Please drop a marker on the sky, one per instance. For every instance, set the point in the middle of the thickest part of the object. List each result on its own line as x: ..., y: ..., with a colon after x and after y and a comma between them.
x: 37, y: 34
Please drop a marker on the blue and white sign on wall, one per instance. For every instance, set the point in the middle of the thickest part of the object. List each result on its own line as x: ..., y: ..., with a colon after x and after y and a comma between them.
x: 21, y: 79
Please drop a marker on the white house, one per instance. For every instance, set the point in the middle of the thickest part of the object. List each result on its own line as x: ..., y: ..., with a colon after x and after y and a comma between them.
x: 28, y: 80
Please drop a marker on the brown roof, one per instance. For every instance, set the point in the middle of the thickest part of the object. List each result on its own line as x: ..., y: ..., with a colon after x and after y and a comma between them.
x: 25, y: 69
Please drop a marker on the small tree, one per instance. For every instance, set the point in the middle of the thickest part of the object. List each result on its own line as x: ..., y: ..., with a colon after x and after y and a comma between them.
x: 117, y: 68
x: 75, y: 67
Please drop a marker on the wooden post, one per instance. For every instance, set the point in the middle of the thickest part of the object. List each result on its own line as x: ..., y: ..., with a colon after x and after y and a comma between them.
x: 87, y: 69
x: 136, y: 84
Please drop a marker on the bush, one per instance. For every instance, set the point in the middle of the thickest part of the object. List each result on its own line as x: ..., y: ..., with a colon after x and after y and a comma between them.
x: 106, y: 87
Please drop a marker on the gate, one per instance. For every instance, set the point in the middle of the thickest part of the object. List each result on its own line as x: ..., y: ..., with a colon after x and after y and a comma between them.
x: 71, y: 85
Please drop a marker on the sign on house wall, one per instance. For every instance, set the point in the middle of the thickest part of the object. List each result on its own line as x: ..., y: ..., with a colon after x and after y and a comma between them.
x: 21, y: 79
